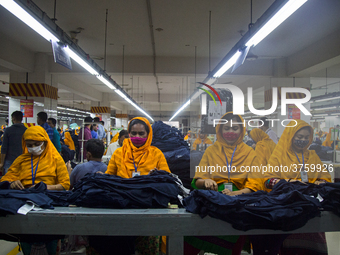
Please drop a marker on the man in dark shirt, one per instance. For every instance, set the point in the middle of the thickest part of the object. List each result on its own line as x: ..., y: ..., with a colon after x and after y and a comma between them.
x: 94, y: 153
x: 41, y: 120
x: 12, y: 141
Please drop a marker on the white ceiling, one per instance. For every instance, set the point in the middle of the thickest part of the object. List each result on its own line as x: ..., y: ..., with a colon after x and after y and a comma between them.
x: 284, y: 53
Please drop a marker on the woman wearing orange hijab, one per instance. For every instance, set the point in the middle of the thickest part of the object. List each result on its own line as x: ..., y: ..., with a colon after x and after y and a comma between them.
x: 40, y: 162
x: 68, y: 141
x: 201, y: 140
x: 264, y: 145
x: 137, y: 156
x: 228, y: 151
x: 292, y: 150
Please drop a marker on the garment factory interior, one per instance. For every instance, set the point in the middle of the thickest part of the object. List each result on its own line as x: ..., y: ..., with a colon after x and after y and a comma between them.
x: 157, y: 52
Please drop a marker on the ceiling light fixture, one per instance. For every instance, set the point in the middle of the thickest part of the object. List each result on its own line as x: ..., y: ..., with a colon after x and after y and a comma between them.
x: 326, y: 99
x: 25, y: 17
x: 106, y: 82
x: 277, y: 13
x: 288, y: 9
x: 80, y: 61
x: 323, y: 108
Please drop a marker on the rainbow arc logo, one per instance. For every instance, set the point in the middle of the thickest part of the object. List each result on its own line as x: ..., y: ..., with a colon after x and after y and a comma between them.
x: 213, y: 90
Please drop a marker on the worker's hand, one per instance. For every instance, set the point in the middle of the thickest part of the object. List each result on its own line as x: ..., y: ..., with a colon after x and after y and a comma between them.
x: 153, y: 170
x: 227, y: 192
x: 99, y: 172
x: 16, y: 185
x: 319, y: 182
x: 210, y: 184
x: 253, y: 146
x: 1, y: 166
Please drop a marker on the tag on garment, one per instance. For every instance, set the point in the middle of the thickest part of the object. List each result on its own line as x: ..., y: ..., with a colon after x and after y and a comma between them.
x: 228, y: 186
x: 304, y: 176
x: 135, y: 174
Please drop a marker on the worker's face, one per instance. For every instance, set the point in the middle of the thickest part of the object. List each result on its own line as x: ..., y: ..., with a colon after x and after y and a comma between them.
x: 121, y: 140
x: 33, y: 146
x: 138, y: 130
x: 301, y: 139
x: 95, y: 128
x: 231, y: 133
x: 202, y: 136
x: 39, y: 121
x: 50, y: 123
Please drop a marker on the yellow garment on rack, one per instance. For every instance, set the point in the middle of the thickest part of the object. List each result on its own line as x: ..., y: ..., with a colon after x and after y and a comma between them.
x: 146, y: 157
x: 284, y: 156
x: 264, y: 145
x: 244, y: 156
x: 51, y: 166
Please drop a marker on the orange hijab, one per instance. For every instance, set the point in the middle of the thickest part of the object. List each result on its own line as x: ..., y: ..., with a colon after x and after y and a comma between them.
x: 51, y: 167
x: 68, y: 141
x: 283, y: 155
x: 141, y: 155
x: 243, y: 156
x: 328, y: 141
x: 264, y: 145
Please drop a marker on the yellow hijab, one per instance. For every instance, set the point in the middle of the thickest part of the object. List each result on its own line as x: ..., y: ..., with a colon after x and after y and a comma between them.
x: 51, y: 167
x: 115, y: 138
x: 328, y: 141
x: 264, y: 145
x: 244, y: 156
x: 283, y: 155
x: 68, y: 141
x: 141, y: 155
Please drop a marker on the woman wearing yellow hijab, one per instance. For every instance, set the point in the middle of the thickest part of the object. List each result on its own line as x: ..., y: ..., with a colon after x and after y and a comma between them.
x: 40, y: 162
x: 292, y: 152
x: 68, y: 141
x: 264, y: 145
x: 137, y: 156
x: 202, y: 139
x: 228, y: 151
x: 328, y: 141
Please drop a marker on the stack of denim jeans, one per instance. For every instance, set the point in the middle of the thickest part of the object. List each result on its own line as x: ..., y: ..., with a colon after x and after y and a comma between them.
x: 171, y: 142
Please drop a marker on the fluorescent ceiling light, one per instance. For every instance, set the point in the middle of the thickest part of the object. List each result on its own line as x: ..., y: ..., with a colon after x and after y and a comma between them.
x: 179, y: 110
x: 320, y: 115
x: 323, y: 108
x: 120, y: 93
x: 227, y: 65
x: 106, y: 82
x: 25, y: 17
x: 72, y: 110
x: 62, y: 108
x: 326, y: 99
x: 288, y: 9
x: 80, y: 61
x: 335, y: 113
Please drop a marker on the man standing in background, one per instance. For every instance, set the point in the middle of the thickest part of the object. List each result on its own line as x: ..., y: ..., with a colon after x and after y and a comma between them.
x: 56, y: 137
x: 41, y: 120
x: 12, y: 141
x: 87, y: 136
x: 94, y: 131
x: 101, y: 130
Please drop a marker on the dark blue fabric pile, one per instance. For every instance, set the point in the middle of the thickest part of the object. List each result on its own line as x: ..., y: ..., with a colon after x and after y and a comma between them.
x: 176, y: 151
x: 12, y: 200
x: 155, y: 190
x: 289, y: 206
